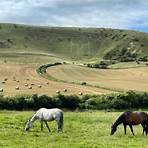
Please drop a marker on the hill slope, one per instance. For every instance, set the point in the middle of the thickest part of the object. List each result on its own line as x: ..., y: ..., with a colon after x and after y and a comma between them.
x: 73, y: 43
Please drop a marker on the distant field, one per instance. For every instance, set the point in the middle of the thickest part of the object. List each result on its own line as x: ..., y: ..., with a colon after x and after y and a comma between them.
x: 28, y: 58
x: 25, y: 73
x: 89, y: 129
x: 72, y: 43
x: 98, y: 80
x: 126, y: 65
x: 24, y: 48
x: 118, y: 79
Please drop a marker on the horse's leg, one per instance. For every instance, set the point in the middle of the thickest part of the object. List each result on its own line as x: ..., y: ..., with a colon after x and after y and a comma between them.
x: 144, y: 128
x: 124, y: 128
x: 59, y: 127
x: 47, y: 126
x: 58, y: 124
x: 131, y: 129
x: 41, y: 125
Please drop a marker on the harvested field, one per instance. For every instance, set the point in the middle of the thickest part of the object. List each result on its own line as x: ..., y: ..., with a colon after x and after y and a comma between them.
x: 118, y: 79
x: 21, y: 74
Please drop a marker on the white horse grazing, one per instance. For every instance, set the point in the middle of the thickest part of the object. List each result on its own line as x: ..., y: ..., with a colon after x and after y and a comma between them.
x: 44, y: 115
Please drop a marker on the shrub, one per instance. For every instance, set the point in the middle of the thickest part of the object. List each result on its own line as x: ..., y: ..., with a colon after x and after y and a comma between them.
x: 70, y: 102
x: 125, y: 100
x: 42, y: 68
x: 144, y: 59
x: 83, y: 83
x: 91, y: 104
x: 121, y: 55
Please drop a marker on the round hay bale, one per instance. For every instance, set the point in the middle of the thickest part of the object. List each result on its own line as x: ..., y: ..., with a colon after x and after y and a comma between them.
x: 65, y: 90
x: 32, y: 84
x: 57, y: 91
x: 17, y: 81
x: 39, y: 86
x: 80, y: 93
x: 1, y: 90
x: 3, y: 82
x: 17, y: 88
x: 30, y: 87
x: 26, y: 85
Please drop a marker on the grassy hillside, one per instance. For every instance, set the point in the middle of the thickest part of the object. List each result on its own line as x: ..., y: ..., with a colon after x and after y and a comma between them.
x: 72, y: 43
x: 24, y: 48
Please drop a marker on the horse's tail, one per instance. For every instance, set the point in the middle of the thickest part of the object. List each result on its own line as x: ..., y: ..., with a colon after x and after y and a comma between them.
x: 61, y: 121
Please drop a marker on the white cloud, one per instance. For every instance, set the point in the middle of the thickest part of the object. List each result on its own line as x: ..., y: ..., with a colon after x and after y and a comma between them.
x: 89, y: 13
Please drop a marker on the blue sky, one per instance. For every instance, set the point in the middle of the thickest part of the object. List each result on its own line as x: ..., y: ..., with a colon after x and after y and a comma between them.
x: 122, y: 14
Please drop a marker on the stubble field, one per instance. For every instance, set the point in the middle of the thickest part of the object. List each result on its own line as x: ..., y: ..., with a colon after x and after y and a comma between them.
x: 113, y: 79
x: 19, y: 73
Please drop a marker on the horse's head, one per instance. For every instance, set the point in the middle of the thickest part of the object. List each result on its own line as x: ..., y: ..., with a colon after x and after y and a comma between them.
x: 28, y: 125
x: 113, y: 129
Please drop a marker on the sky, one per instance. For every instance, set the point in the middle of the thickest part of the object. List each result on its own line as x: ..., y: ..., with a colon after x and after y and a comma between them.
x: 119, y: 14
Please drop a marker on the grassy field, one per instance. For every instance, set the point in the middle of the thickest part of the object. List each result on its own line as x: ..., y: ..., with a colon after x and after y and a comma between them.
x: 24, y: 48
x: 27, y: 58
x: 125, y: 65
x: 89, y: 129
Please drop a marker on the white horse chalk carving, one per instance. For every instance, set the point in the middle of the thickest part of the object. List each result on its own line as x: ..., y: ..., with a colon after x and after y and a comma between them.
x: 44, y: 115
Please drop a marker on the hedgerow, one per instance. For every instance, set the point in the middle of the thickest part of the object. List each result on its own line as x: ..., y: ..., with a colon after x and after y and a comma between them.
x: 127, y: 100
x: 42, y: 68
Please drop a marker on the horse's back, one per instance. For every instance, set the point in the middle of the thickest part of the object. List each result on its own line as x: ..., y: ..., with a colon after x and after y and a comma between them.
x: 49, y: 110
x: 55, y: 110
x: 135, y: 118
x: 49, y: 114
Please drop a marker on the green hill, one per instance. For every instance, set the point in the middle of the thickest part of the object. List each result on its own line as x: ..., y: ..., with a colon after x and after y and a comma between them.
x: 74, y: 43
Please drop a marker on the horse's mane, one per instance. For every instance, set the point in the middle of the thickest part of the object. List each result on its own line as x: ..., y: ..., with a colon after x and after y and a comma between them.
x: 121, y: 118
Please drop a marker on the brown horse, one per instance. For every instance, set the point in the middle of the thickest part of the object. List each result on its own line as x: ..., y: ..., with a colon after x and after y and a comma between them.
x: 131, y: 118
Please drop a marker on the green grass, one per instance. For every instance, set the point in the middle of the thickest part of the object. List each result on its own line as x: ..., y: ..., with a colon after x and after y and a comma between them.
x: 78, y: 44
x: 28, y: 58
x: 89, y: 129
x: 125, y: 65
